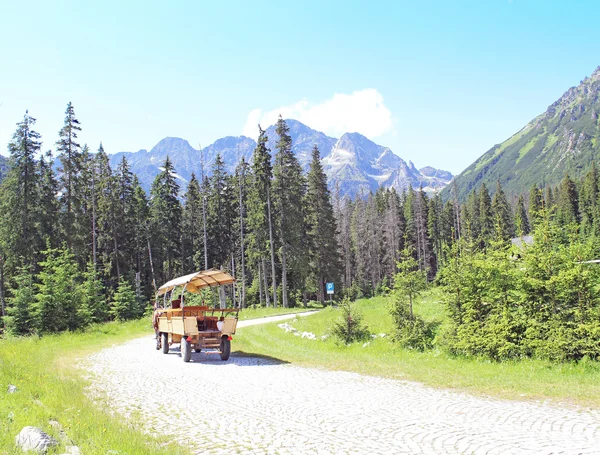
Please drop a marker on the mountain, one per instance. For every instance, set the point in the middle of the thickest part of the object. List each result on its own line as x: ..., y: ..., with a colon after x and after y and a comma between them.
x: 185, y: 158
x: 358, y: 166
x: 304, y: 139
x: 565, y: 138
x: 355, y: 163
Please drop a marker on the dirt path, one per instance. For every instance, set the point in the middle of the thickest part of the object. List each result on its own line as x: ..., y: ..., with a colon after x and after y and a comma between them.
x: 258, y: 406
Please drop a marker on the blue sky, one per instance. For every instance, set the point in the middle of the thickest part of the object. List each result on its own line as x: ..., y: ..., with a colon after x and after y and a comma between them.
x: 439, y: 82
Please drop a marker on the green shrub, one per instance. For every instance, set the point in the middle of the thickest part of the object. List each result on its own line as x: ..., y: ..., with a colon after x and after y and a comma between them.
x: 350, y: 327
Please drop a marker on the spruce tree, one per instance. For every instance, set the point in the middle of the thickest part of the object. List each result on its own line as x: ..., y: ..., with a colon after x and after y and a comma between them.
x: 71, y: 182
x: 502, y: 214
x: 521, y: 221
x: 289, y: 188
x: 19, y: 319
x: 486, y: 220
x: 192, y: 235
x: 165, y: 221
x: 568, y: 202
x: 124, y: 305
x: 56, y: 307
x: 93, y: 308
x: 19, y: 238
x: 260, y: 226
x: 322, y: 242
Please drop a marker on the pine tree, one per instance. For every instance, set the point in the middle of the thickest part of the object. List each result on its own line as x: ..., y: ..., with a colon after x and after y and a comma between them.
x: 486, y: 220
x: 165, y: 221
x: 219, y: 216
x: 48, y: 207
x: 93, y: 308
x: 521, y: 221
x: 71, y: 182
x: 536, y: 204
x: 19, y: 319
x: 322, y: 242
x: 568, y: 202
x: 260, y: 235
x: 588, y: 202
x: 193, y: 236
x: 242, y: 182
x: 124, y: 305
x: 19, y: 239
x: 289, y: 189
x: 502, y: 214
x: 56, y: 307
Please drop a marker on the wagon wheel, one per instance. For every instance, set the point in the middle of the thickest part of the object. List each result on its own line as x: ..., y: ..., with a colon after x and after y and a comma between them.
x: 165, y: 342
x: 186, y: 349
x: 197, y: 350
x: 225, y: 347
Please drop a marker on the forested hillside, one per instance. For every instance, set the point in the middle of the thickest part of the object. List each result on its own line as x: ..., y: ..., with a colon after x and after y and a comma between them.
x: 565, y: 138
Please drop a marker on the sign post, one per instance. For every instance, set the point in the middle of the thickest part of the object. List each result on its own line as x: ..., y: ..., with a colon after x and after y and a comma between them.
x: 329, y: 287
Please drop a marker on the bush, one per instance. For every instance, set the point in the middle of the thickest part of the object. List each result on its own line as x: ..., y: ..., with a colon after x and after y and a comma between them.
x: 411, y: 331
x: 349, y: 327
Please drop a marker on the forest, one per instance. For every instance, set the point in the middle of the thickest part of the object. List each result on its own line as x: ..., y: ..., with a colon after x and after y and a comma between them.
x: 82, y: 243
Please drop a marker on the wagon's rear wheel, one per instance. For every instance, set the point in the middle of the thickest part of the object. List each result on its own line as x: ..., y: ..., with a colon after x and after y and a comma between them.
x: 225, y: 347
x: 164, y: 339
x: 186, y: 349
x: 197, y: 350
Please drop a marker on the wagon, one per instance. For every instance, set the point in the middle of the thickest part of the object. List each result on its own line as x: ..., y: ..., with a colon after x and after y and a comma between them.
x: 197, y: 328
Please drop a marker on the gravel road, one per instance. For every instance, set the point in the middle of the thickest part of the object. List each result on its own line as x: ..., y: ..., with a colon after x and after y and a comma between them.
x: 259, y: 406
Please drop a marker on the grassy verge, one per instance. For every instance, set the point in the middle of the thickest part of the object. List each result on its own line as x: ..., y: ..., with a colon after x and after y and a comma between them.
x: 527, y: 379
x: 51, y: 388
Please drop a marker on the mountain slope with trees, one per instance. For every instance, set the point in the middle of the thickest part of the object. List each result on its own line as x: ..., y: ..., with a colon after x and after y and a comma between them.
x: 565, y: 138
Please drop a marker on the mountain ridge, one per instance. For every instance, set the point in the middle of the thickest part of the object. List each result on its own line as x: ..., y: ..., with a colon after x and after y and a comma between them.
x: 353, y: 163
x: 564, y: 138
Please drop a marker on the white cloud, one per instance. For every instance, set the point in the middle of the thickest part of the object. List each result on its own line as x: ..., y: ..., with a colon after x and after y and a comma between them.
x: 362, y: 111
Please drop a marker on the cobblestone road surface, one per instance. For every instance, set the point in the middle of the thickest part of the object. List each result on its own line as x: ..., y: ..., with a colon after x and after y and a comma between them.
x: 259, y: 406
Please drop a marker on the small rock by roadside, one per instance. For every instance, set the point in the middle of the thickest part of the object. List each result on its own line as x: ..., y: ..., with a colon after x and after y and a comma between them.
x: 32, y: 438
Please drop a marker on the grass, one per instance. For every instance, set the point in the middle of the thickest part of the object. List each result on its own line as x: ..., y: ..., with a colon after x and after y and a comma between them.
x: 51, y: 388
x: 521, y: 380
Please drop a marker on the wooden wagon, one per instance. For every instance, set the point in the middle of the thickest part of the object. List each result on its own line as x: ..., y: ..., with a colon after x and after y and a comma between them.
x: 197, y: 328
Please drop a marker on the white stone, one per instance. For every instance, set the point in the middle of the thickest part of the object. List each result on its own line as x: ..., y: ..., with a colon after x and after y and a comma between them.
x: 32, y: 438
x: 12, y: 388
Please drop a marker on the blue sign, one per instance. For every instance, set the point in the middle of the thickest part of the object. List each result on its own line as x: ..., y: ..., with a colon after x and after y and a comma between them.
x: 329, y: 288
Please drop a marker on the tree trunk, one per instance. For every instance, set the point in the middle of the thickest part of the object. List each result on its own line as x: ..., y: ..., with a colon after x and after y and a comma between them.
x: 284, y: 277
x: 243, y: 259
x: 273, y: 277
x: 260, y: 286
x: 267, y: 301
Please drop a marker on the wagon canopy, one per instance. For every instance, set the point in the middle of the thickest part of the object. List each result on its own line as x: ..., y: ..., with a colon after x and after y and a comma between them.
x: 194, y: 282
